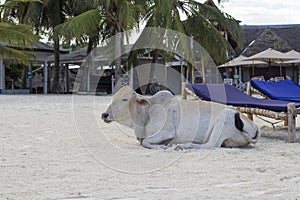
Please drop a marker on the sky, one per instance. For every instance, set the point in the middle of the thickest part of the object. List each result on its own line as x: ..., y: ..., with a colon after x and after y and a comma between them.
x: 262, y: 12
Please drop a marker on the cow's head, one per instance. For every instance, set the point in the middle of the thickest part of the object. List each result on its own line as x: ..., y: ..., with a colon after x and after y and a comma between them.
x: 123, y: 107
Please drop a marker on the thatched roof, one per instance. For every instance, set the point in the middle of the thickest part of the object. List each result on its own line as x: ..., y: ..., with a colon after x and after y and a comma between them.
x: 103, y: 55
x: 280, y: 37
x: 266, y: 39
x: 37, y: 46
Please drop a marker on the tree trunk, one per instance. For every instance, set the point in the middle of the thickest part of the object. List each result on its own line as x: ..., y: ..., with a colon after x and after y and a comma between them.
x: 56, y: 85
x: 24, y: 77
x: 90, y: 46
x: 118, y: 59
x: 155, y: 57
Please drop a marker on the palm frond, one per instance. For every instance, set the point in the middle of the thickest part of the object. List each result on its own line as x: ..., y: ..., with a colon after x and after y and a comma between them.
x: 14, y: 3
x: 13, y: 38
x: 225, y: 21
x: 13, y: 55
x: 18, y: 35
x: 209, y: 37
x: 83, y: 24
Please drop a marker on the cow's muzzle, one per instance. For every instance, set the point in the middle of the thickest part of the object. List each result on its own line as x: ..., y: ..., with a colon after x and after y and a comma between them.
x: 104, y: 117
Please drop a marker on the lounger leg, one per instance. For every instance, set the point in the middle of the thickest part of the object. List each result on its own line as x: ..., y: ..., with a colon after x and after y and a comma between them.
x: 250, y: 116
x: 286, y: 122
x: 292, y: 122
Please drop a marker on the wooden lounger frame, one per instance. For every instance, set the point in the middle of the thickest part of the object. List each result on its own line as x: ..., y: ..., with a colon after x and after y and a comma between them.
x: 289, y: 115
x: 251, y: 91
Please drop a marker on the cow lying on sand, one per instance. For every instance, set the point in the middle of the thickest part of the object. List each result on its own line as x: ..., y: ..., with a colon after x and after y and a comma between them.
x: 163, y: 120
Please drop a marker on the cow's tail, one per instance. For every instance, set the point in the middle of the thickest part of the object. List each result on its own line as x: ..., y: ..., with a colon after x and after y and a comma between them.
x: 239, y: 124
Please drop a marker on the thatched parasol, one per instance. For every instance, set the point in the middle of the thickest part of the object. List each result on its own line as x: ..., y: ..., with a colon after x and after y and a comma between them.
x: 239, y: 61
x: 271, y: 56
x: 294, y: 54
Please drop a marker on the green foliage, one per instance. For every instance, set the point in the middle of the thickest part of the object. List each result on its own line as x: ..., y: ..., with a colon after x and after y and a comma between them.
x: 78, y: 26
x: 199, y: 22
x: 276, y: 46
x: 14, y: 72
x: 13, y: 38
x: 85, y: 21
x: 18, y: 35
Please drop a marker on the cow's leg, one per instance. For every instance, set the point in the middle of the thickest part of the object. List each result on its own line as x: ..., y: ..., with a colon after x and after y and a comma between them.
x: 155, y: 141
x: 207, y: 145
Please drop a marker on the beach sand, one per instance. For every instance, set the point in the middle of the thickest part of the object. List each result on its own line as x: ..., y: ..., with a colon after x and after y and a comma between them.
x: 57, y: 147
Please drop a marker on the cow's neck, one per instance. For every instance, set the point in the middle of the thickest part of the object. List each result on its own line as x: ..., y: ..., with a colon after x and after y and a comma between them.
x: 140, y: 120
x: 142, y: 115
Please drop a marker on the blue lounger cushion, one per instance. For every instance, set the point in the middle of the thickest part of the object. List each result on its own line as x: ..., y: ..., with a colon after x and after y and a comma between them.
x: 229, y: 95
x: 286, y: 90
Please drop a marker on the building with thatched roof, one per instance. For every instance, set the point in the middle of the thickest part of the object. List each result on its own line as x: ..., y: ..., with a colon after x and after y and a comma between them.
x: 282, y: 37
x: 267, y: 38
x: 279, y: 37
x: 41, y: 51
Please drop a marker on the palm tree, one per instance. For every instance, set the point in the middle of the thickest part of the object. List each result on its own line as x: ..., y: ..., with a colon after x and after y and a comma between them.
x: 200, y: 22
x: 191, y: 18
x: 112, y: 17
x: 104, y: 19
x: 14, y: 37
x: 44, y: 16
x: 53, y: 15
x: 82, y: 23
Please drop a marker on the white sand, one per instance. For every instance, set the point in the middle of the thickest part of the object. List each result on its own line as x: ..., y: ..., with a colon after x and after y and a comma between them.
x: 50, y: 152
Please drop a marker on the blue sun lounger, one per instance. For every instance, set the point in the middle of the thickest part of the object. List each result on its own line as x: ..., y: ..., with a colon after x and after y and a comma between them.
x: 229, y: 95
x: 286, y: 90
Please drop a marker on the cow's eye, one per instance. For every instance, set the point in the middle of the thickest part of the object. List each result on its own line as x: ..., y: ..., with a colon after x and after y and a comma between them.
x: 124, y: 99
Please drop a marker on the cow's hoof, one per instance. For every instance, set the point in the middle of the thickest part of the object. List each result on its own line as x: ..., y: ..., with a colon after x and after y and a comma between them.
x: 179, y: 147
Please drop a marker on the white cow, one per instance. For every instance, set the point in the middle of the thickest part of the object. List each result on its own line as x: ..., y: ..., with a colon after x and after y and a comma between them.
x: 163, y: 120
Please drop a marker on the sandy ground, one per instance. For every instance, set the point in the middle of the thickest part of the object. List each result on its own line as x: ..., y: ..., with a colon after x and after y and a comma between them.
x: 56, y: 147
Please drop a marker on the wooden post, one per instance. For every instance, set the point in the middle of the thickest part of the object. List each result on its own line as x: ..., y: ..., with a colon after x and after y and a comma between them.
x: 67, y: 78
x: 286, y: 122
x: 30, y: 77
x: 203, y: 71
x: 131, y: 76
x: 249, y: 92
x: 193, y: 74
x: 88, y: 79
x: 183, y: 91
x: 45, y: 77
x: 250, y: 116
x: 187, y: 74
x: 2, y: 75
x: 291, y: 122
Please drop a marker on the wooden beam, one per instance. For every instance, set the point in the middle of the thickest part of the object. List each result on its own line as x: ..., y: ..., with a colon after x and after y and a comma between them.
x: 45, y: 77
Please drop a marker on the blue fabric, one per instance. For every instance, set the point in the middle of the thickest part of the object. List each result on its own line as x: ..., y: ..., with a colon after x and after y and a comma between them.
x: 229, y: 95
x: 286, y: 90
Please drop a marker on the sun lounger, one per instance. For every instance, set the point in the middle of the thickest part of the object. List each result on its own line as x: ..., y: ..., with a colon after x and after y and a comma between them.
x: 285, y: 90
x: 229, y: 95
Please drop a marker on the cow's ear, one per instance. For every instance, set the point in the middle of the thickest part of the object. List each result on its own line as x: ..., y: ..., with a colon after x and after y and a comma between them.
x: 142, y: 101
